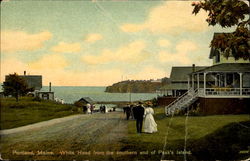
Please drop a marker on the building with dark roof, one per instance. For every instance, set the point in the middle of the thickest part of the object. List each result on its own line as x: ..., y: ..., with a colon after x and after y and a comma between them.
x: 223, y: 88
x: 219, y: 58
x: 179, y: 80
x: 33, y: 81
x: 86, y: 100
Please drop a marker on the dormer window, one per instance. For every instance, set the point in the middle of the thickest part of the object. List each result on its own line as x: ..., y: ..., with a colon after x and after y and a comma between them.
x: 217, y: 57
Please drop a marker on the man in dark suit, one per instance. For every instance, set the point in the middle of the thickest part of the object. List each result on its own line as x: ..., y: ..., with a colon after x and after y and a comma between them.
x: 127, y: 111
x: 138, y: 112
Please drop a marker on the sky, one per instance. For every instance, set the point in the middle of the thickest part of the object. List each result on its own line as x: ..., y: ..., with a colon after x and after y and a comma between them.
x: 98, y: 43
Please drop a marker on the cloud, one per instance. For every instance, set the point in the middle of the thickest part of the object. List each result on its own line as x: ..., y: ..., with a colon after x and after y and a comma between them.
x: 182, y: 54
x: 132, y: 27
x: 164, y: 43
x: 63, y: 47
x: 149, y: 72
x: 172, y: 17
x: 57, y: 74
x: 10, y: 66
x: 130, y: 53
x: 50, y: 61
x: 98, y: 77
x: 91, y: 38
x: 61, y: 77
x: 12, y: 41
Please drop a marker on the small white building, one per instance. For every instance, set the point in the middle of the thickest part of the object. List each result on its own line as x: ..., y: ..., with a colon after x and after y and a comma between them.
x: 45, y: 95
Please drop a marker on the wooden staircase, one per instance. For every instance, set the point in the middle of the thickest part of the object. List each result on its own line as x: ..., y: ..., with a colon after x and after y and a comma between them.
x: 182, y: 102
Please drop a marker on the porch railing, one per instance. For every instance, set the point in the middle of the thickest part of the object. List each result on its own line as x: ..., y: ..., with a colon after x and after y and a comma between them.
x: 224, y: 92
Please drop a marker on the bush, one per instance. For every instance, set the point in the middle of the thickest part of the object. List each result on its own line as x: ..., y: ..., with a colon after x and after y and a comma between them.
x: 155, y: 102
x: 195, y: 112
x: 74, y: 109
x: 17, y: 106
x: 224, y: 143
x: 38, y: 99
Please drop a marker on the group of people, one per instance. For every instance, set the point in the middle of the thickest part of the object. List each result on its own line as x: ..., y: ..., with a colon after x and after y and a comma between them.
x: 89, y: 109
x: 58, y: 100
x: 139, y: 112
x: 103, y: 109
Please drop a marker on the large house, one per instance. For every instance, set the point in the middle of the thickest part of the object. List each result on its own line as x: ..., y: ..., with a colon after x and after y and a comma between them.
x: 221, y: 88
x: 179, y: 80
x: 33, y: 81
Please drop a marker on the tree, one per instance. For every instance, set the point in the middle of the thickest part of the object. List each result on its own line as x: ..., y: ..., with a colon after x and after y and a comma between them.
x: 165, y: 81
x: 228, y: 13
x: 15, y: 86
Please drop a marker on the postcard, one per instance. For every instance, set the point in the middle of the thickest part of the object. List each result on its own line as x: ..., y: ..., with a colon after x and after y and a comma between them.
x: 125, y: 80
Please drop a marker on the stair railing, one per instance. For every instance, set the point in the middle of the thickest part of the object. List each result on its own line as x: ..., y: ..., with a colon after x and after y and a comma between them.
x: 181, y: 99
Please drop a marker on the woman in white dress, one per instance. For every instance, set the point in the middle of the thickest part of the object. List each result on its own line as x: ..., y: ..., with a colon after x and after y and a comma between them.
x: 150, y: 125
x: 88, y: 108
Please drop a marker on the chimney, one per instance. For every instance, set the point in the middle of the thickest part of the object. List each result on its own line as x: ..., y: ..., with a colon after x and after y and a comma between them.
x: 193, y: 68
x: 49, y: 86
x: 24, y: 73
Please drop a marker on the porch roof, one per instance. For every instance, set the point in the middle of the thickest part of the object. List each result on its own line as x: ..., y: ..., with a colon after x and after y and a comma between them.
x: 227, y: 67
x: 180, y: 74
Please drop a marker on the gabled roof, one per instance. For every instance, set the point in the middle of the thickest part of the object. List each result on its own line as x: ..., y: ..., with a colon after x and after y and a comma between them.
x: 227, y: 67
x: 87, y: 100
x: 180, y: 74
x: 214, y: 51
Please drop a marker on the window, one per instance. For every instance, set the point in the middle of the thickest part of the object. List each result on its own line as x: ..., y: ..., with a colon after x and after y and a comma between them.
x: 246, y: 80
x: 217, y: 57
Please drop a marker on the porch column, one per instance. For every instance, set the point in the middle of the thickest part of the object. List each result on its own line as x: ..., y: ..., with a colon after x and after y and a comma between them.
x: 216, y: 80
x: 205, y: 74
x: 225, y: 79
x: 193, y: 81
x: 240, y: 83
x: 219, y: 80
x: 233, y: 81
x: 188, y: 82
x: 198, y: 81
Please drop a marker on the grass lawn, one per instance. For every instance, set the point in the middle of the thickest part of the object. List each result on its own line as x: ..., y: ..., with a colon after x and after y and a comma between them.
x: 204, y: 134
x: 26, y: 111
x: 197, y: 128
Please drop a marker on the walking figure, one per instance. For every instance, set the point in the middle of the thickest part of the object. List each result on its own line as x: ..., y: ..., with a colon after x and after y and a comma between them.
x: 138, y: 115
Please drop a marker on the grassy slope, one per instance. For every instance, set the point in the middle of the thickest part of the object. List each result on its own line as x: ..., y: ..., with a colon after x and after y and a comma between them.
x: 16, y: 114
x: 197, y: 126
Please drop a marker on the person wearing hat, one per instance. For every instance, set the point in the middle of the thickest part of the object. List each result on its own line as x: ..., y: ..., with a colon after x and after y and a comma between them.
x: 138, y: 115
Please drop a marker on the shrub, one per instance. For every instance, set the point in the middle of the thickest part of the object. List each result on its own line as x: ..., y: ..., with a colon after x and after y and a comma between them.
x: 17, y: 106
x: 74, y: 109
x: 224, y: 143
x: 38, y: 99
x: 195, y: 112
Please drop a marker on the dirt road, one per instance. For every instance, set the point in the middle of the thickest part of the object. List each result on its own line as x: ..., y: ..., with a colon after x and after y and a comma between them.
x: 76, y: 137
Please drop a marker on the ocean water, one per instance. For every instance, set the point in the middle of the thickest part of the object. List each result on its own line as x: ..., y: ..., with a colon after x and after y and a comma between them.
x: 70, y: 94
